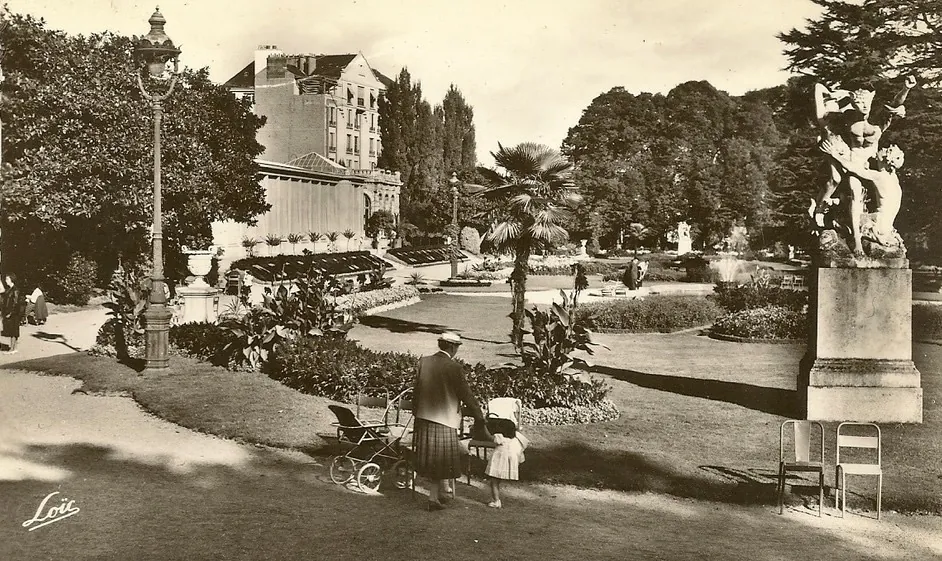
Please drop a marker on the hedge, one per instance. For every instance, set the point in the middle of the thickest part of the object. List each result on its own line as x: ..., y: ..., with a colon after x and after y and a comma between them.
x: 654, y: 314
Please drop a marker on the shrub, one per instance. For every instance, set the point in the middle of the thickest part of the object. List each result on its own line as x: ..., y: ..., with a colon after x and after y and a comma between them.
x: 698, y: 269
x: 657, y: 314
x: 75, y: 283
x: 107, y: 342
x: 591, y: 268
x: 339, y: 368
x: 770, y: 322
x: 203, y: 341
x: 535, y: 390
x: 927, y: 321
x: 470, y: 240
x: 754, y: 295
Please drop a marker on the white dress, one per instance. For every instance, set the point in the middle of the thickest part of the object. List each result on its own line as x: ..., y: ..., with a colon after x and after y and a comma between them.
x: 507, y: 456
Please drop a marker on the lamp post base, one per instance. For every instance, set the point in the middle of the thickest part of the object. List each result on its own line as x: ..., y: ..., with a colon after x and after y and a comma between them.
x: 157, y: 328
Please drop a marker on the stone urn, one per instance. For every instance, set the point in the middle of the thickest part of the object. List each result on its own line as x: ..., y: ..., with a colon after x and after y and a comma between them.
x: 199, y: 262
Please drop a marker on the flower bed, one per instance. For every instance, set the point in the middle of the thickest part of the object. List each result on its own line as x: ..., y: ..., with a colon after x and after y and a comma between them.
x: 769, y: 322
x: 367, y: 302
x: 654, y: 314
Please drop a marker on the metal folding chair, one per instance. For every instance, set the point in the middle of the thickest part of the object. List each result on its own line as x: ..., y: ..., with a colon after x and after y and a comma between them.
x: 870, y: 441
x: 801, y: 461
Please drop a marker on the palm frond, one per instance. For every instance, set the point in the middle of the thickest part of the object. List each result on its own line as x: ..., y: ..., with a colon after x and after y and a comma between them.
x: 548, y: 233
x: 502, y: 233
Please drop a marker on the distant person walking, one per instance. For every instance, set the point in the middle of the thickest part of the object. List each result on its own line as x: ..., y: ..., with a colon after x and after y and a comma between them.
x: 438, y: 394
x: 632, y: 274
x: 12, y: 311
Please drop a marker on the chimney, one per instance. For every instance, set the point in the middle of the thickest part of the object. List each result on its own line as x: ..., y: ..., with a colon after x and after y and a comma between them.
x: 261, y: 56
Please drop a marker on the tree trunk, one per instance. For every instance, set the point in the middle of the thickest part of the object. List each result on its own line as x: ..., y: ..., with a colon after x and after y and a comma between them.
x: 518, y: 285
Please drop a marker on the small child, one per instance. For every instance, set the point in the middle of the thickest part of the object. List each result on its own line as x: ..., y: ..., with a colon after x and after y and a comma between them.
x: 504, y: 463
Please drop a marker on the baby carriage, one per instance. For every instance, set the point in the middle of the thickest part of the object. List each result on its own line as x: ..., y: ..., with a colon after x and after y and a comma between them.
x: 377, y: 448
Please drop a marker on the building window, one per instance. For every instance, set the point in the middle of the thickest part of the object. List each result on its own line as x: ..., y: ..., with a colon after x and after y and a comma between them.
x: 360, y: 100
x: 372, y: 122
x: 372, y: 148
x: 349, y: 144
x: 332, y: 116
x: 333, y: 141
x: 356, y: 144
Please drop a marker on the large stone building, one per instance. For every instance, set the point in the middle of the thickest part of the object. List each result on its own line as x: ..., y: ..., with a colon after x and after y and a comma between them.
x: 322, y: 143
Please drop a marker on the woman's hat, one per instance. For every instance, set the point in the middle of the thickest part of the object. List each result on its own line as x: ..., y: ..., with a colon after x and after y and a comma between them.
x: 450, y: 337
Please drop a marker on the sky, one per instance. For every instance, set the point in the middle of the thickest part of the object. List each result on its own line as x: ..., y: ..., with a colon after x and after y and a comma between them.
x: 528, y: 67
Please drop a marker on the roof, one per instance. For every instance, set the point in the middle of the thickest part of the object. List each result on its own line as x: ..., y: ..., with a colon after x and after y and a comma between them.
x: 316, y: 162
x: 245, y: 78
x: 296, y: 266
x: 332, y: 65
x: 384, y: 79
x: 327, y: 66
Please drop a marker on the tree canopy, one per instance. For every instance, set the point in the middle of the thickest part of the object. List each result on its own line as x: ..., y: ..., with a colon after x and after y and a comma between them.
x: 426, y: 144
x: 696, y: 154
x: 79, y: 136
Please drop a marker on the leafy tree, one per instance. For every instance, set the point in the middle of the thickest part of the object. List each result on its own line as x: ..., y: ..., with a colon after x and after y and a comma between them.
x: 533, y: 185
x: 79, y: 137
x: 458, y: 144
x: 426, y: 145
x: 381, y: 221
x: 695, y: 154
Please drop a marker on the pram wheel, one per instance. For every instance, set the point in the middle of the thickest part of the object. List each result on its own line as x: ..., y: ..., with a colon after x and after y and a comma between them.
x: 369, y: 477
x: 402, y: 473
x: 342, y: 469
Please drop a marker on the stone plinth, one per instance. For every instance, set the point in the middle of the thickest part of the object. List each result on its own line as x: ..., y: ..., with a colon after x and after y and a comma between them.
x: 860, y: 346
x: 198, y: 303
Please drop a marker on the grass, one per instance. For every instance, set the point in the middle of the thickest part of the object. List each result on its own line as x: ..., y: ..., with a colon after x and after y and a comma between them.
x: 700, y: 417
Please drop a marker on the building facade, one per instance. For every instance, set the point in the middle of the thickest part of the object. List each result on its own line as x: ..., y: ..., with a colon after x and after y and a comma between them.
x: 322, y: 144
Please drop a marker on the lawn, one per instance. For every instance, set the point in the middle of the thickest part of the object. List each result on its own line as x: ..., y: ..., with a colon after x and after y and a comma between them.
x: 699, y: 419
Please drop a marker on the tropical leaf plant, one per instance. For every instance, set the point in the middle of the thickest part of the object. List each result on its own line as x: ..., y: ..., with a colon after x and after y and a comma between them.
x: 556, y: 339
x: 294, y: 239
x: 332, y: 238
x: 349, y: 234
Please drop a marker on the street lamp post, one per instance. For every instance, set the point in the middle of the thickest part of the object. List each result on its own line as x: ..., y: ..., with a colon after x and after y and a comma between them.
x: 454, y: 224
x: 156, y: 49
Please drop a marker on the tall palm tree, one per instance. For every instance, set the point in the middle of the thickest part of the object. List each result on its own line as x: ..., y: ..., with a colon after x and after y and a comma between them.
x: 533, y: 185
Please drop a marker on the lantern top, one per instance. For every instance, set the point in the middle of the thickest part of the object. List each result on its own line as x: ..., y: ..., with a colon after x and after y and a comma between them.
x: 156, y: 45
x: 454, y: 178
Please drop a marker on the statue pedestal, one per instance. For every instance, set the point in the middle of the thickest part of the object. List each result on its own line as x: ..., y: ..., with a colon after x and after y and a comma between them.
x: 860, y: 347
x: 198, y: 303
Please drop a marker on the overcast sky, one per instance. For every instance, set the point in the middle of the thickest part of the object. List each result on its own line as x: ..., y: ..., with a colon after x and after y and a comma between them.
x: 528, y: 67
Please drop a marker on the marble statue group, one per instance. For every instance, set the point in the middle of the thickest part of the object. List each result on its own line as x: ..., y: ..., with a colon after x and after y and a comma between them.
x: 855, y: 210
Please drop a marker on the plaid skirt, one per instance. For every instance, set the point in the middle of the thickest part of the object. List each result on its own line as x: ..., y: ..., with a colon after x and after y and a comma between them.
x: 436, y: 450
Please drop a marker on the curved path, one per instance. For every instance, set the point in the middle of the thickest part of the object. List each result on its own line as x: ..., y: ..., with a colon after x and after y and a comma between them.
x: 140, y: 488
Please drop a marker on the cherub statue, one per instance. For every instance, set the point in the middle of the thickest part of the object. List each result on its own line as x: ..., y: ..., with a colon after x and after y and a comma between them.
x: 882, y: 183
x: 844, y: 120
